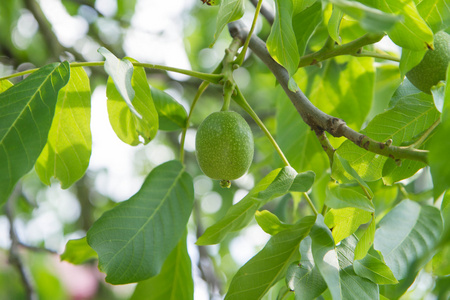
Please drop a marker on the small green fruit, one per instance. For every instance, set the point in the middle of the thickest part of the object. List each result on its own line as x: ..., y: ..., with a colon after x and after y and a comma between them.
x: 224, y: 146
x: 433, y: 66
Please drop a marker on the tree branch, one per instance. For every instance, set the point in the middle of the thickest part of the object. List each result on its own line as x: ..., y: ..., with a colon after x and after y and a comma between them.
x: 14, y: 255
x: 314, y: 117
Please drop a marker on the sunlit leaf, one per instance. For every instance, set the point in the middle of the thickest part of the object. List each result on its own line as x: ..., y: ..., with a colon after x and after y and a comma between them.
x: 134, y: 238
x: 334, y: 24
x: 366, y: 240
x: 175, y: 280
x: 4, y: 85
x: 281, y: 41
x: 229, y: 11
x: 436, y: 13
x: 129, y: 127
x: 410, y: 116
x: 262, y: 271
x: 78, y: 252
x: 121, y: 72
x: 348, y: 78
x: 407, y: 233
x: 26, y: 114
x: 270, y: 222
x: 345, y: 221
x: 67, y: 152
x: 341, y: 197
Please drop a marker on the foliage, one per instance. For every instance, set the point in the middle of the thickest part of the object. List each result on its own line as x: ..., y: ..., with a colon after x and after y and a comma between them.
x: 351, y: 160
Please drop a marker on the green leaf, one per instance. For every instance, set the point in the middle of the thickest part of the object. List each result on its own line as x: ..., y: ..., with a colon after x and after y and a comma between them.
x: 125, y: 8
x: 171, y: 114
x: 280, y: 185
x: 68, y: 150
x: 372, y: 20
x: 281, y: 41
x: 341, y: 197
x: 78, y: 252
x: 26, y: 114
x: 325, y: 256
x: 352, y: 285
x: 393, y: 173
x: 438, y: 93
x: 4, y: 85
x: 305, y: 23
x: 366, y: 240
x: 340, y: 163
x: 334, y: 24
x: 134, y: 238
x: 229, y: 11
x: 262, y: 271
x: 410, y: 59
x: 439, y: 144
x: 387, y: 80
x: 304, y: 278
x: 120, y: 72
x: 174, y: 282
x: 296, y: 139
x: 274, y: 184
x: 348, y: 78
x: 406, y: 234
x: 345, y: 221
x: 410, y: 116
x: 303, y: 182
x: 127, y: 125
x: 411, y: 32
x: 355, y: 287
x: 436, y: 13
x: 300, y: 5
x: 374, y: 269
x: 270, y: 222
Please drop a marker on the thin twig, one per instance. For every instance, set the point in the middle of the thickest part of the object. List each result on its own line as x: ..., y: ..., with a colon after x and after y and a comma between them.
x: 266, y: 11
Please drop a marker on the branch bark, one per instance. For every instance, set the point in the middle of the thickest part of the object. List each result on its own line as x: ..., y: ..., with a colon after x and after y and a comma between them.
x: 314, y: 117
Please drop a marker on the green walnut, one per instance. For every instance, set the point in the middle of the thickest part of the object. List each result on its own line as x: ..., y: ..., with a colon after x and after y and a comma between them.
x: 433, y: 66
x: 224, y: 146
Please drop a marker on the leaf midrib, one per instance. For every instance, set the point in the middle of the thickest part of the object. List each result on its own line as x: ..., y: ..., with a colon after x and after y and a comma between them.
x: 163, y: 201
x: 28, y: 103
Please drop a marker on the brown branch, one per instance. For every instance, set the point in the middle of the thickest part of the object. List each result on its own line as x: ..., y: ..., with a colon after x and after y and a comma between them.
x: 314, y: 117
x: 14, y: 255
x: 50, y: 38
